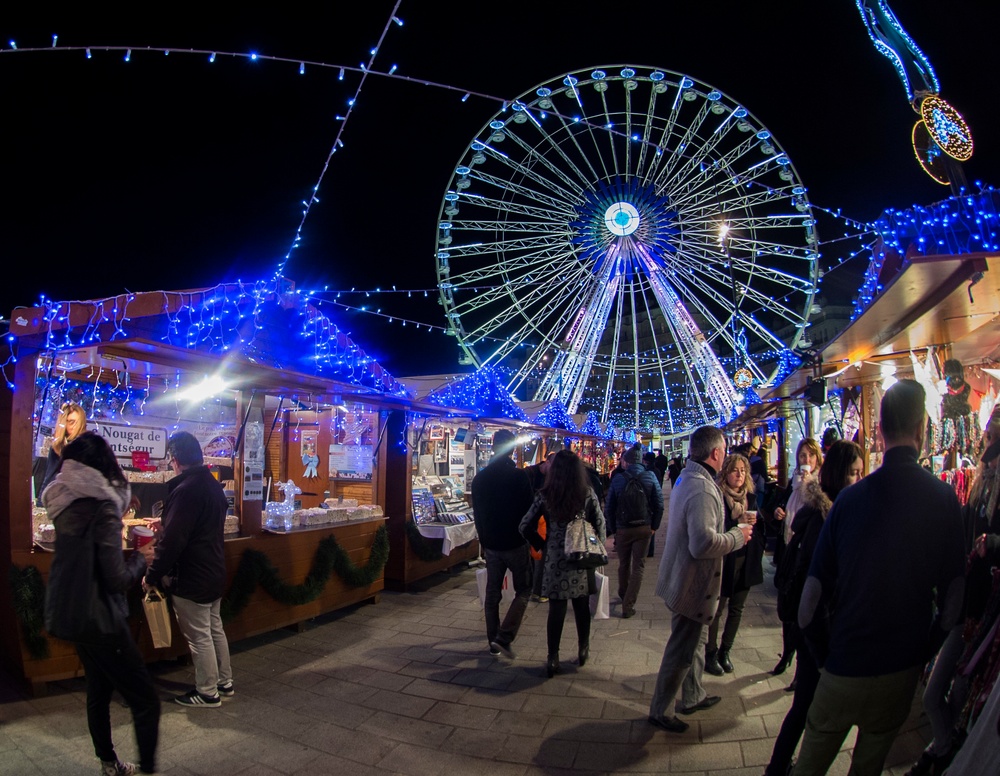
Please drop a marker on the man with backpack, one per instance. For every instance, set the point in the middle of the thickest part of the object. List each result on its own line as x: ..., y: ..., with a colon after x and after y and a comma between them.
x: 633, y: 512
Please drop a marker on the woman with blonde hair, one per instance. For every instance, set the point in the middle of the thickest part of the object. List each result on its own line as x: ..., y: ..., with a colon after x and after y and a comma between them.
x: 565, y: 496
x: 71, y: 423
x: 741, y: 569
x: 808, y: 460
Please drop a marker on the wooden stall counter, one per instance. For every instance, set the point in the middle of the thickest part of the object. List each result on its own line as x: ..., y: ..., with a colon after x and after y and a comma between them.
x: 273, y: 590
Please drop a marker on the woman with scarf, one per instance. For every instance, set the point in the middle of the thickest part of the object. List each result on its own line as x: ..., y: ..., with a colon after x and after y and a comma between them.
x: 85, y: 599
x: 565, y: 495
x: 741, y: 569
x: 808, y: 459
x: 842, y: 468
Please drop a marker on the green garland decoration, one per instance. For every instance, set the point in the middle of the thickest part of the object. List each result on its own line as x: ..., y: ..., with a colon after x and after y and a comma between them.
x: 28, y: 592
x: 421, y: 546
x: 255, y: 568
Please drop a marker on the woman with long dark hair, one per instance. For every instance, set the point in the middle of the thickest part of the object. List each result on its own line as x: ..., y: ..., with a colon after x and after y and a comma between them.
x: 842, y: 467
x: 85, y: 601
x: 741, y: 569
x: 565, y: 496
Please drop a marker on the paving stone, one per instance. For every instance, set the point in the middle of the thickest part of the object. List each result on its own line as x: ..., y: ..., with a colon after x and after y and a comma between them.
x: 542, y: 752
x: 362, y: 746
x: 407, y: 729
x: 397, y: 703
x: 435, y: 690
x: 421, y: 761
x: 461, y: 715
x: 705, y: 757
x: 578, y: 708
x: 597, y: 730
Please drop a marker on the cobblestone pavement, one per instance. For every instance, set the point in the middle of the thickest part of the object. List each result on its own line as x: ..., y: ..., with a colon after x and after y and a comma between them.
x: 408, y: 686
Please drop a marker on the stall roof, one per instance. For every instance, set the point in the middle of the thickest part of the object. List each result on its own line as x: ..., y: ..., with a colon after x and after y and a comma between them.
x: 934, y: 301
x: 264, y: 327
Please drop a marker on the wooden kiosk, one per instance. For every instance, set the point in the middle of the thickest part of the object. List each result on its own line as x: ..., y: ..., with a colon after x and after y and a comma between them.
x: 286, y: 405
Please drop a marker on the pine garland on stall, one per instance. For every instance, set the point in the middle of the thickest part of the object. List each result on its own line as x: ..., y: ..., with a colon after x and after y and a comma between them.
x: 28, y: 589
x: 255, y: 568
x: 28, y: 592
x: 422, y: 548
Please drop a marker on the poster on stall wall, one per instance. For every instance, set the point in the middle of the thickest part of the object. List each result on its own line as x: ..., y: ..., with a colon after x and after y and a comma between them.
x: 351, y: 462
x: 456, y: 460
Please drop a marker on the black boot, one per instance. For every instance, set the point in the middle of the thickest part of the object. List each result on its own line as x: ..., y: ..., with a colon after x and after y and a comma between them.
x: 725, y: 662
x: 712, y: 665
x: 552, y: 665
x: 583, y: 654
x: 782, y: 666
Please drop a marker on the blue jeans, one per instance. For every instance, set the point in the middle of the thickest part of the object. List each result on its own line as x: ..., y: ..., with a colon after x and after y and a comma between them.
x: 497, y: 562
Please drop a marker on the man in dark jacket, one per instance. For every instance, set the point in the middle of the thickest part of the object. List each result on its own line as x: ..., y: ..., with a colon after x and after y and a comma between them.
x: 190, y: 564
x: 633, y: 528
x: 891, y: 550
x: 501, y: 495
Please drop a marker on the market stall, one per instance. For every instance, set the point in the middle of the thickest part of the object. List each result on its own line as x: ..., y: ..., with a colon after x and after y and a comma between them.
x: 295, y: 431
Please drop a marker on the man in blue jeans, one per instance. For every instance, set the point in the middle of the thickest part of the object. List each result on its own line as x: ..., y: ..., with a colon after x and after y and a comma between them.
x: 501, y: 494
x: 190, y: 564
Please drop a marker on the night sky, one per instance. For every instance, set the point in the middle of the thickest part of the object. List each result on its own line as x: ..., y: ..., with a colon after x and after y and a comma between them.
x: 170, y: 172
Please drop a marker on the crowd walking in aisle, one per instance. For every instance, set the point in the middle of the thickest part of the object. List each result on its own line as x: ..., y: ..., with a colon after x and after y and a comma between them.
x: 406, y: 686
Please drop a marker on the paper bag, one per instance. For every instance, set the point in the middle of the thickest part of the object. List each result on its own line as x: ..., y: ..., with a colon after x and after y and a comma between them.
x: 154, y: 603
x: 506, y: 592
x: 600, y: 602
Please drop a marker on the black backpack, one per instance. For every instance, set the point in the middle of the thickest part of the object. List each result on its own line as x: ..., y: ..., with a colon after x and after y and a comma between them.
x: 633, y: 504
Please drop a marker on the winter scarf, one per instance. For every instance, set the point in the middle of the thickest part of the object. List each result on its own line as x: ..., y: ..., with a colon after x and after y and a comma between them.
x: 75, y: 481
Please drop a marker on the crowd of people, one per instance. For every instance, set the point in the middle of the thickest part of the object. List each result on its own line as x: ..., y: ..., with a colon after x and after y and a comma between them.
x: 882, y: 581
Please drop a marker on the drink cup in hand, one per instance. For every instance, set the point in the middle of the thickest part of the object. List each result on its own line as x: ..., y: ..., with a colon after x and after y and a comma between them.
x: 747, y: 532
x: 141, y: 536
x: 749, y: 517
x: 804, y: 470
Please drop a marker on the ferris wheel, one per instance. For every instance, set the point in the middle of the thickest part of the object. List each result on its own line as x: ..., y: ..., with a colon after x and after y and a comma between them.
x: 631, y: 241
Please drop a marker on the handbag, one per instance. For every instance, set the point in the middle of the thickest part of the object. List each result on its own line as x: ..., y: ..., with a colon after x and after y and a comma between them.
x: 154, y: 604
x: 582, y: 548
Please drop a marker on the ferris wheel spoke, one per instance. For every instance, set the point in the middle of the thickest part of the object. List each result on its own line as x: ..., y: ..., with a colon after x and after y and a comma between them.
x: 502, y: 206
x: 679, y: 154
x: 549, y: 193
x: 533, y: 157
x: 554, y: 227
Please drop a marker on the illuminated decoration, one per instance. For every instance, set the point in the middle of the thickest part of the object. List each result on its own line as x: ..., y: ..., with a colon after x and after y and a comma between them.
x: 750, y: 397
x: 263, y: 323
x: 482, y: 393
x: 969, y: 223
x: 555, y: 415
x: 788, y: 362
x: 592, y: 425
x: 929, y: 153
x: 947, y: 127
x: 743, y: 379
x: 581, y: 225
x: 891, y: 40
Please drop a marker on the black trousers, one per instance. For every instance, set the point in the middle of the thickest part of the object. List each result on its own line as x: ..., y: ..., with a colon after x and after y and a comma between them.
x: 806, y: 680
x: 119, y: 666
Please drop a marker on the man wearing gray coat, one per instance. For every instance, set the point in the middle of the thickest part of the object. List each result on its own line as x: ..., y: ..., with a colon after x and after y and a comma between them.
x: 690, y: 578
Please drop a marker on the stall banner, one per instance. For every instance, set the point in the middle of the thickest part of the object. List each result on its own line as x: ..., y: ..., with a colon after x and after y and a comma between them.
x: 125, y: 440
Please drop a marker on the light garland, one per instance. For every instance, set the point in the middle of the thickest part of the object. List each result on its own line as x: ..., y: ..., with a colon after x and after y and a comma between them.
x: 262, y: 322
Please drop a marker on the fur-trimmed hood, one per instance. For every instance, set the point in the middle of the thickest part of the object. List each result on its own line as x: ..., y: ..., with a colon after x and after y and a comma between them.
x: 814, y: 497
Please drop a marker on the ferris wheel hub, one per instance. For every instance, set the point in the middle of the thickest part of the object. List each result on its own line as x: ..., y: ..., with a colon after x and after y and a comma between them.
x: 621, y: 219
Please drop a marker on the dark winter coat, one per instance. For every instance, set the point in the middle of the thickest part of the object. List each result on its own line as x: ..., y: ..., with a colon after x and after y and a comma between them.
x: 501, y: 494
x: 85, y: 600
x: 190, y: 558
x: 654, y: 496
x: 560, y: 580
x: 743, y: 568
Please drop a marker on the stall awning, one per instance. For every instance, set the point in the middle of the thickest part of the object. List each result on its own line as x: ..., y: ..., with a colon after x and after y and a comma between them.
x: 934, y: 301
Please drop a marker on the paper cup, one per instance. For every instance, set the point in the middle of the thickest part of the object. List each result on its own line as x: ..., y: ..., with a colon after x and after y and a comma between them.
x: 749, y: 517
x: 141, y: 535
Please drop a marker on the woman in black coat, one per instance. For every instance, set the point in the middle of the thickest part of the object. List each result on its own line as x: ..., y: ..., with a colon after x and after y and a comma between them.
x: 85, y: 599
x: 841, y: 468
x: 741, y: 569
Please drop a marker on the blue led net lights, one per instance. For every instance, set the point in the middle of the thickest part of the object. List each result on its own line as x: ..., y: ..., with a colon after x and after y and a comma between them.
x: 964, y: 224
x: 482, y: 393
